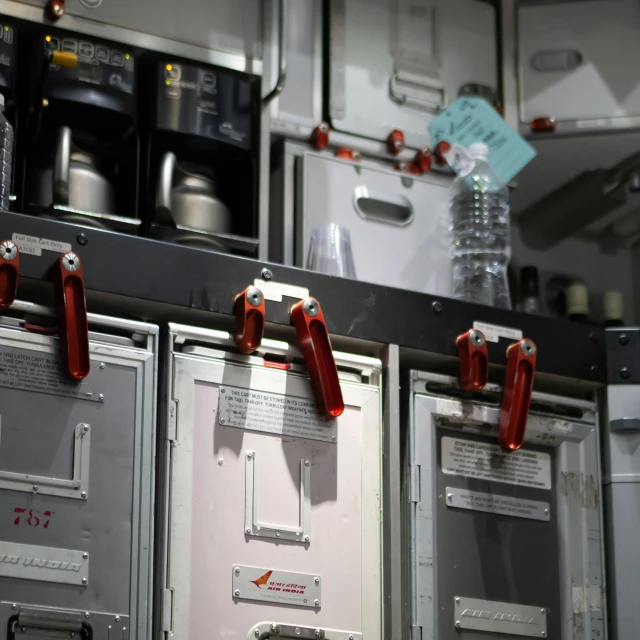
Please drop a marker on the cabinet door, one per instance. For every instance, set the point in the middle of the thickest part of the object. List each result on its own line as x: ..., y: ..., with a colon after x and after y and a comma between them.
x: 398, y: 224
x: 395, y: 64
x: 576, y: 62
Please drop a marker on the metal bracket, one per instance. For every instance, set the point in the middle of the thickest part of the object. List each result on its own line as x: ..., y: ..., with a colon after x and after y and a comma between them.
x: 625, y: 424
x: 172, y: 423
x: 265, y: 630
x: 166, y: 610
x: 77, y: 487
x: 252, y: 527
x: 414, y: 480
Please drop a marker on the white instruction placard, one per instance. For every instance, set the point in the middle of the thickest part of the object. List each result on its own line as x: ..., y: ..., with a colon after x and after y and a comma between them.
x: 274, y: 413
x: 486, y: 461
x: 33, y: 246
x: 493, y: 332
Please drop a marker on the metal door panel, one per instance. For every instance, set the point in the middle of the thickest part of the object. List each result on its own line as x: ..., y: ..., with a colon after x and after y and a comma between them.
x: 206, y: 529
x: 556, y: 565
x: 579, y: 49
x: 422, y: 50
x: 109, y: 520
x: 413, y: 255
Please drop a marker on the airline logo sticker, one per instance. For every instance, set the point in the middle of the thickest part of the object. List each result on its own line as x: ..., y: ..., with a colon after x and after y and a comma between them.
x: 270, y: 585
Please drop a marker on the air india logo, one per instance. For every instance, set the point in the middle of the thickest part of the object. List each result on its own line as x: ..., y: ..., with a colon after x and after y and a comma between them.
x: 262, y: 580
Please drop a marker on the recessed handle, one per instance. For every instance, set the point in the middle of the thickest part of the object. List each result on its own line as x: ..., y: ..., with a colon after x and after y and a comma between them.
x: 382, y: 207
x: 72, y: 316
x: 249, y: 310
x: 9, y: 267
x: 518, y: 385
x: 474, y: 360
x: 313, y: 337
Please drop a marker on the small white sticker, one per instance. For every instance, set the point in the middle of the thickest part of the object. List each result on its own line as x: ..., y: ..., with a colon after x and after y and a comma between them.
x: 485, y: 461
x: 493, y: 332
x: 274, y: 291
x: 33, y: 246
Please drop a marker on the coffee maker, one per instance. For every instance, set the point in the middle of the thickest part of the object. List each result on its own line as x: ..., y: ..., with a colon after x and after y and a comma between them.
x: 80, y: 157
x: 202, y: 157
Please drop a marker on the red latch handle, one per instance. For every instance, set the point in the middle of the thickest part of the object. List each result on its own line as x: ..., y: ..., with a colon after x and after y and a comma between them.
x: 395, y: 142
x: 314, y: 342
x: 72, y: 316
x: 474, y: 360
x: 250, y: 310
x: 348, y: 154
x: 518, y: 385
x: 320, y: 136
x: 9, y: 266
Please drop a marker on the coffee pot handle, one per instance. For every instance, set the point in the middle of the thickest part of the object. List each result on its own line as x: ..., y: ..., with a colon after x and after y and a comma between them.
x: 61, y: 167
x: 165, y: 185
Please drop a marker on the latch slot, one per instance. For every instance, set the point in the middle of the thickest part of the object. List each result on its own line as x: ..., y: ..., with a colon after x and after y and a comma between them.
x: 252, y: 527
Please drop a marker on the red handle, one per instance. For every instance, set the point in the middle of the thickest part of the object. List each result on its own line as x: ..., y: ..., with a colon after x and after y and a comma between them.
x: 408, y: 167
x: 55, y: 9
x: 518, y: 385
x: 9, y: 266
x: 320, y: 136
x: 423, y: 160
x: 314, y: 342
x: 395, y: 142
x: 250, y: 310
x: 548, y: 123
x: 348, y: 154
x: 72, y: 316
x: 438, y: 153
x: 474, y: 360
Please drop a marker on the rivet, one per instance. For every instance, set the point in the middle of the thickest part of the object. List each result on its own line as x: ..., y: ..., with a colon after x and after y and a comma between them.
x: 222, y: 389
x: 85, y: 428
x: 236, y: 593
x: 297, y: 631
x: 625, y: 374
x: 256, y: 633
x: 316, y: 580
x: 457, y: 600
x: 237, y: 571
x: 277, y: 534
x: 101, y: 397
x: 102, y: 365
x: 82, y: 239
x: 306, y: 538
x: 266, y: 274
x: 333, y: 438
x: 247, y: 531
x: 546, y: 511
x: 87, y: 614
x: 449, y: 496
x: 307, y: 463
x: 458, y: 623
x: 84, y: 494
x: 14, y: 606
x: 117, y: 618
x: 72, y: 634
x: 23, y: 629
x: 221, y: 420
x: 84, y: 581
x: 350, y: 637
x: 35, y: 487
x: 623, y: 339
x: 250, y: 455
x: 544, y: 634
x: 85, y: 555
x: 436, y: 306
x: 543, y: 611
x: 316, y: 602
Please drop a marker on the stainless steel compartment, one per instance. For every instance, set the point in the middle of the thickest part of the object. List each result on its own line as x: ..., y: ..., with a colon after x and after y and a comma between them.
x: 512, y: 543
x: 270, y: 515
x: 398, y: 223
x: 76, y: 482
x: 395, y: 64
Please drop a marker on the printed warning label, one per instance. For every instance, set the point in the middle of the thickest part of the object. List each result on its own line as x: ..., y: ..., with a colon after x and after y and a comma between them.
x: 41, y: 372
x: 502, y: 505
x: 33, y: 246
x: 493, y: 332
x: 485, y: 461
x: 273, y: 413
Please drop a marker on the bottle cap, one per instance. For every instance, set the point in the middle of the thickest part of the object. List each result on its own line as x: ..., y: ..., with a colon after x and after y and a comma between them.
x: 478, y: 151
x: 529, y: 282
x: 577, y: 299
x: 613, y: 305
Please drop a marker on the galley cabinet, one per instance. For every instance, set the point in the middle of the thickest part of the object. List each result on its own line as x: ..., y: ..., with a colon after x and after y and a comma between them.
x: 505, y: 544
x: 271, y: 515
x: 76, y: 480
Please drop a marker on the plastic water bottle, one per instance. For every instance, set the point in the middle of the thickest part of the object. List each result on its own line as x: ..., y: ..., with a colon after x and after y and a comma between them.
x: 480, y: 234
x: 6, y: 157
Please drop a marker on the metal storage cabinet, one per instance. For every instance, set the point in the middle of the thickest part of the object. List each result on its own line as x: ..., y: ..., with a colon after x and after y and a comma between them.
x: 270, y: 515
x: 509, y: 544
x: 76, y: 482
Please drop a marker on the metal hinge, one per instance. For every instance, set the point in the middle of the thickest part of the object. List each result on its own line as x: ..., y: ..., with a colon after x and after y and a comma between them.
x: 166, y: 610
x: 416, y: 632
x: 414, y: 483
x: 172, y: 423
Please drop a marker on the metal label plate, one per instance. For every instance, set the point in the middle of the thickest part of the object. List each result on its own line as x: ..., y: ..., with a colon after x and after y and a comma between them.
x: 33, y: 246
x: 493, y: 332
x: 47, y: 564
x: 493, y: 503
x: 274, y: 413
x: 485, y: 461
x: 270, y: 585
x: 500, y: 617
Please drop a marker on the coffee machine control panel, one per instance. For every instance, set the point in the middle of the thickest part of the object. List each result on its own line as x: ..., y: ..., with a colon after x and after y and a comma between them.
x: 205, y: 101
x: 99, y: 63
x: 7, y: 55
